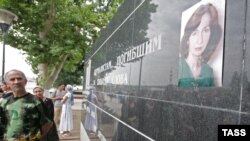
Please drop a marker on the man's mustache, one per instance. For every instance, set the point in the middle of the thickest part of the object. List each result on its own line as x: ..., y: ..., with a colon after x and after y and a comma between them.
x: 18, y: 85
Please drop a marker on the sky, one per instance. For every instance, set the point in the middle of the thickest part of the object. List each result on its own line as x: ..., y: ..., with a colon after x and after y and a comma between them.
x: 14, y: 59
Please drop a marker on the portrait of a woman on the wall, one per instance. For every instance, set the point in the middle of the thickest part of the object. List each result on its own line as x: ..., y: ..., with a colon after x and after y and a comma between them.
x: 200, y: 39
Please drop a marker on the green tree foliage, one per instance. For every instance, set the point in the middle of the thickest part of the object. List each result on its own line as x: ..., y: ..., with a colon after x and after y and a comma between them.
x: 75, y: 77
x: 56, y: 33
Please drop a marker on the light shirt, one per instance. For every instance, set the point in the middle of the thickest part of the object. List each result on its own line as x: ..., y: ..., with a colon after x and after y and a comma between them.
x: 58, y: 103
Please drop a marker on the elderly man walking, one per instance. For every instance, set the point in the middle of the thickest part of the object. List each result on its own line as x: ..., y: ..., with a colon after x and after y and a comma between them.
x: 23, y: 113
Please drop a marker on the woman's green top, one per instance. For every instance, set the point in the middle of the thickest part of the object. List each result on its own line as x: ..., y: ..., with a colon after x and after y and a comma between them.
x: 186, y: 79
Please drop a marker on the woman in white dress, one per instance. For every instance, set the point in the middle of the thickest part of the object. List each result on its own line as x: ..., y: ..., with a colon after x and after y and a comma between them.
x: 66, y: 122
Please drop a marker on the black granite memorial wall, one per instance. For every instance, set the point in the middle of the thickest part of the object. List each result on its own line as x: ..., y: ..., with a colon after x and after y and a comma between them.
x: 134, y: 68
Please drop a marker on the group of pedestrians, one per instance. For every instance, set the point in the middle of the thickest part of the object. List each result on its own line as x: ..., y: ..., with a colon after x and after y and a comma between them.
x: 33, y: 117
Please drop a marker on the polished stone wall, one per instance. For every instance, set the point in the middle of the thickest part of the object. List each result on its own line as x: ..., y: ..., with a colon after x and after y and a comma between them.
x: 138, y: 93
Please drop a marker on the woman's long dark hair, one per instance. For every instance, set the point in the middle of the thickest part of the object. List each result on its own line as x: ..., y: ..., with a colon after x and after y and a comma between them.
x: 194, y: 22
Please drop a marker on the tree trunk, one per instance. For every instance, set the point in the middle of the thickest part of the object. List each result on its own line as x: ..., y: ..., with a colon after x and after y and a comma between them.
x: 43, y: 76
x: 42, y: 73
x: 48, y: 83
